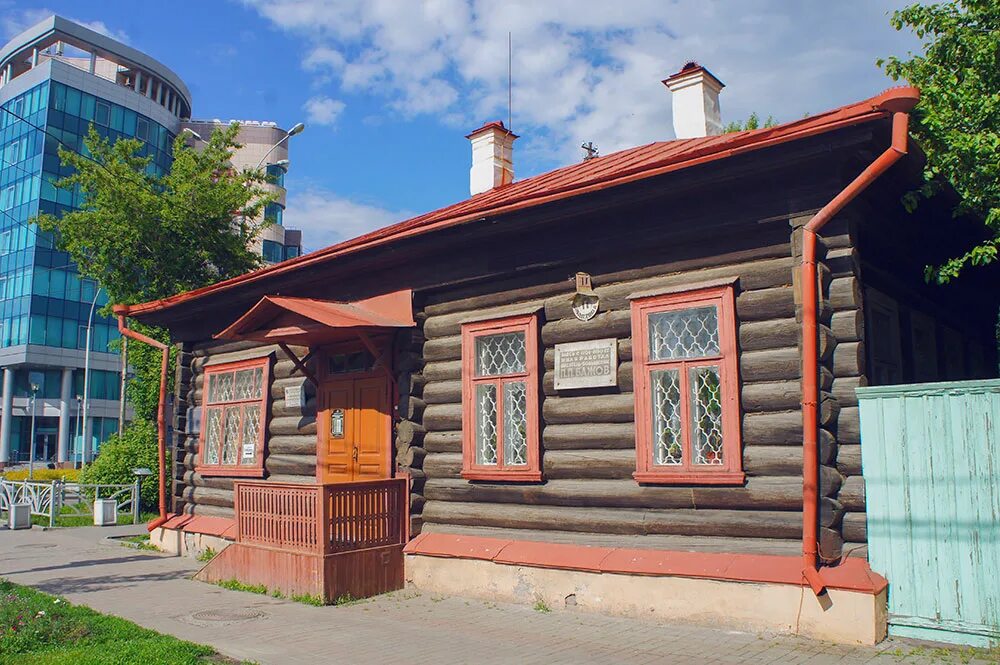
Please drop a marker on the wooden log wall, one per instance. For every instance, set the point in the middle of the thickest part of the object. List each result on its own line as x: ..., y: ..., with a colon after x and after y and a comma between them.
x: 588, y: 442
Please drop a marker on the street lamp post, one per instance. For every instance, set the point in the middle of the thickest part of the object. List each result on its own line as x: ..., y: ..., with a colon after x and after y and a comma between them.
x: 86, y: 374
x: 79, y: 429
x: 31, y: 437
x: 296, y: 129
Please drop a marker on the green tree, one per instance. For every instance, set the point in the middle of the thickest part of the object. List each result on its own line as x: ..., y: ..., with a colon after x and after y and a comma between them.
x: 753, y: 122
x: 135, y: 447
x: 143, y: 236
x: 957, y: 121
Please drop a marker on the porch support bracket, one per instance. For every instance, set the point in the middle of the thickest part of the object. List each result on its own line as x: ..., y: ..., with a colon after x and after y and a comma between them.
x: 300, y: 365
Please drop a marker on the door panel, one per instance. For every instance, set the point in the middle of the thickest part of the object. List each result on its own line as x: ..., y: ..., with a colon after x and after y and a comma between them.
x: 353, y: 430
x: 336, y: 404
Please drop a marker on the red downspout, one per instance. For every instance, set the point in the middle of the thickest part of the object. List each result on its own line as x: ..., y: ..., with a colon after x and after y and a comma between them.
x: 899, y: 102
x: 161, y: 415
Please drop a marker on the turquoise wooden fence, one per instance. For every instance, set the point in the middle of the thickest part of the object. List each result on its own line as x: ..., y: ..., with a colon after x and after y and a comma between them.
x: 931, y: 459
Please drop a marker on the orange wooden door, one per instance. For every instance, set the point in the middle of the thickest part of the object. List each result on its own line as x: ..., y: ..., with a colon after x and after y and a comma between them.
x: 353, y: 427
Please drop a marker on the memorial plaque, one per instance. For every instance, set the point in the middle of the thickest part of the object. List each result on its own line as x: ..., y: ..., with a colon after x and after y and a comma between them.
x: 590, y: 364
x: 295, y: 397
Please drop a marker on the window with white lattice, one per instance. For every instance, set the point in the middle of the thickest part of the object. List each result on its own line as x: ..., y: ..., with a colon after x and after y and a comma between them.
x: 686, y: 388
x: 233, y: 420
x: 500, y: 399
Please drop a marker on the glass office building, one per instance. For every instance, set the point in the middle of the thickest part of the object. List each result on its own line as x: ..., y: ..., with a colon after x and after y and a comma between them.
x: 57, y: 79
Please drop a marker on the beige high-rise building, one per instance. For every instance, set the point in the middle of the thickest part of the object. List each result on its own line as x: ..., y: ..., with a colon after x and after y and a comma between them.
x: 263, y: 144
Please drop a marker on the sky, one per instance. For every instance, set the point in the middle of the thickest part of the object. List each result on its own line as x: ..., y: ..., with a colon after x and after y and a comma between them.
x: 388, y: 89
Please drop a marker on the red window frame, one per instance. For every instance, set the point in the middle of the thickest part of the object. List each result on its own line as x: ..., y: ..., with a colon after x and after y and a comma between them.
x: 530, y: 472
x: 255, y: 470
x: 688, y: 473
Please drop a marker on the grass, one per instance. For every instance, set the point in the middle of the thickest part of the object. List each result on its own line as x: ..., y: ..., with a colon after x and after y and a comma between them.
x: 206, y: 555
x: 66, y: 520
x: 540, y: 606
x: 308, y: 599
x: 140, y: 542
x: 39, y: 629
x: 954, y: 654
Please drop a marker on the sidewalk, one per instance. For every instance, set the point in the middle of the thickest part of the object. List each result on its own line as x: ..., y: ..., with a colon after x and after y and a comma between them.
x: 155, y: 591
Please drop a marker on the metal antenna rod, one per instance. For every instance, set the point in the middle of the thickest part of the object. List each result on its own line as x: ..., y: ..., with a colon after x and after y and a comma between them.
x: 510, y: 84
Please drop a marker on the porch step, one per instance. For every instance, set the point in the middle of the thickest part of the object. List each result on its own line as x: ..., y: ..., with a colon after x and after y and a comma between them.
x: 359, y: 573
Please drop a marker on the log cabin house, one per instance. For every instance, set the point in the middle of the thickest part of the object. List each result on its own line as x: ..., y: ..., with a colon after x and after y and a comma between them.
x: 625, y: 385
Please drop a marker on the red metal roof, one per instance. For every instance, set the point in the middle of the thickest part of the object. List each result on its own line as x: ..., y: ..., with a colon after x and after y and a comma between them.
x: 592, y: 175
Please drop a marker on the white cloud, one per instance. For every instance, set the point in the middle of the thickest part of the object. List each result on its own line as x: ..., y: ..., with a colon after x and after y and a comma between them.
x: 17, y: 21
x: 326, y: 218
x: 322, y: 110
x: 590, y: 70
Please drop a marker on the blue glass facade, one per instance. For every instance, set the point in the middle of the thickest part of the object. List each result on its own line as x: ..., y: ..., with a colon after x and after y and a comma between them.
x: 43, y: 300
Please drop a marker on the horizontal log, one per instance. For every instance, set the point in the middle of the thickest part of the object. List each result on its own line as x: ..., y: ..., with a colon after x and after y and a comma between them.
x: 292, y: 445
x: 293, y: 465
x: 606, y: 324
x: 443, y: 371
x: 411, y: 456
x: 844, y: 389
x: 409, y: 433
x: 447, y: 325
x: 842, y: 262
x: 771, y: 396
x: 410, y: 408
x: 292, y: 425
x: 849, y: 359
x: 772, y: 334
x: 194, y: 479
x: 845, y: 293
x: 849, y: 459
x: 443, y: 348
x: 584, y: 464
x: 217, y: 348
x: 753, y: 275
x: 443, y: 442
x: 855, y: 528
x: 773, y: 460
x: 849, y: 426
x: 589, y: 409
x: 771, y: 493
x: 207, y: 496
x: 280, y: 409
x: 765, y: 304
x: 470, y: 299
x: 735, y: 523
x: 852, y: 494
x: 208, y: 511
x: 848, y: 326
x: 609, y: 436
x: 443, y: 417
x: 443, y: 392
x: 771, y: 365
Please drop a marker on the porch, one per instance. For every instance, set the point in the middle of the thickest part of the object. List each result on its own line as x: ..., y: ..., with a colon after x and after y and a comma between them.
x: 321, y: 540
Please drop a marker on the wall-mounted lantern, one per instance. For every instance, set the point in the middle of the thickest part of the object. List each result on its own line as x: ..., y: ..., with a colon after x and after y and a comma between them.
x: 585, y: 301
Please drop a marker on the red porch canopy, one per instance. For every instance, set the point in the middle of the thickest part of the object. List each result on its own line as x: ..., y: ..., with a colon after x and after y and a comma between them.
x: 309, y: 322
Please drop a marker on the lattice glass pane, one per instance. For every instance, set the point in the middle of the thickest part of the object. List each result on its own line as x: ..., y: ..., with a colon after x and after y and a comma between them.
x: 667, y: 440
x: 220, y: 387
x: 706, y: 414
x: 684, y: 333
x: 258, y: 383
x: 213, y: 436
x: 251, y: 434
x: 243, y: 388
x: 230, y: 435
x: 515, y: 423
x: 500, y: 354
x: 486, y: 423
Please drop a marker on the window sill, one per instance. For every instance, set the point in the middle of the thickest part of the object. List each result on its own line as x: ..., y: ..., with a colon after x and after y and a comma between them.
x: 689, y: 477
x: 230, y: 471
x: 504, y: 476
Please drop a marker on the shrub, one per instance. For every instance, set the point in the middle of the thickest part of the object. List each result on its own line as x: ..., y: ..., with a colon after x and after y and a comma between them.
x: 135, y: 447
x: 45, y: 475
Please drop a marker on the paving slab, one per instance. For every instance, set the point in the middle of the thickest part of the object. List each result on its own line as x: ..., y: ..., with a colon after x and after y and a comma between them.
x: 156, y: 591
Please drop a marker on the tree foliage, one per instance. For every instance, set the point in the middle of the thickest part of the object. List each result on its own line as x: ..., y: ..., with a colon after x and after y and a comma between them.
x: 144, y: 236
x: 957, y: 122
x: 753, y: 122
x: 135, y: 447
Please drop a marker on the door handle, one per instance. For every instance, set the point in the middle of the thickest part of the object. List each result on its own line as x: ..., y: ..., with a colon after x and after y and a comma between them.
x: 355, y: 456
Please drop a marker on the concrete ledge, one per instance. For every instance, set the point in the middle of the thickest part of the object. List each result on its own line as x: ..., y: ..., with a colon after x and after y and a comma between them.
x: 839, y: 615
x: 190, y: 535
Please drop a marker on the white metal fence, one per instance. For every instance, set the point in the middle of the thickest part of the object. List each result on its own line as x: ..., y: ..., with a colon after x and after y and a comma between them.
x: 54, y: 499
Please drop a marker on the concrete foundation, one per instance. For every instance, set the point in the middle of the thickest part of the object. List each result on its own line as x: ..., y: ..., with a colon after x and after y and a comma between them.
x: 186, y: 543
x: 838, y: 615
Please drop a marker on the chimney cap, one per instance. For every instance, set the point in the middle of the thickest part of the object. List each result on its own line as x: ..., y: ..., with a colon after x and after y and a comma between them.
x: 691, y: 67
x: 496, y: 125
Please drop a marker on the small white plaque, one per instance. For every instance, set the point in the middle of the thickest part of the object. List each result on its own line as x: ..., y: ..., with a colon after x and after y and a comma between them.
x: 248, y: 450
x: 295, y: 397
x: 590, y: 364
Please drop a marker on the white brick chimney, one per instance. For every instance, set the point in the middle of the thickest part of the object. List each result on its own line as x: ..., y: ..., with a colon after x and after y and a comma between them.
x: 492, y: 157
x: 695, y: 101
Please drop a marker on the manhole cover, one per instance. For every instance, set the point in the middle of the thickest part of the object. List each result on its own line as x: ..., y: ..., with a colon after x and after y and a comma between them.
x: 244, y: 614
x: 35, y: 546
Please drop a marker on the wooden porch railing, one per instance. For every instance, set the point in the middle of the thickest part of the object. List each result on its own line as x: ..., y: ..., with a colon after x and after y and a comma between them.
x: 322, y: 519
